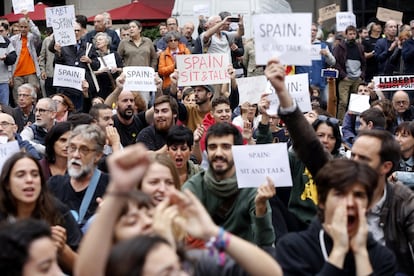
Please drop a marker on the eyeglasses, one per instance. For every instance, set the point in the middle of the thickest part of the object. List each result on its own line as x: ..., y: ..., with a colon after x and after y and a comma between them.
x: 76, y: 31
x: 171, y: 24
x: 24, y: 95
x: 83, y: 150
x: 41, y: 110
x: 173, y: 40
x: 5, y: 124
x: 401, y: 102
x: 332, y: 120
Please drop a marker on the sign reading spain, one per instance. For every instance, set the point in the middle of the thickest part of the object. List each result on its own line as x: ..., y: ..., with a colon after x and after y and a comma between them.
x: 202, y: 69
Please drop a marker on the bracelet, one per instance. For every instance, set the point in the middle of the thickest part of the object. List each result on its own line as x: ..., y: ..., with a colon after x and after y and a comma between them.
x: 218, y: 245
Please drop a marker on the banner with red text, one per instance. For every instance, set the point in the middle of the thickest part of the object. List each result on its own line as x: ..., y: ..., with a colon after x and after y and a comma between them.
x: 391, y: 83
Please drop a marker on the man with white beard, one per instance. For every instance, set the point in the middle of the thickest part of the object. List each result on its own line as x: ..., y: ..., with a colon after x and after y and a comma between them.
x: 83, y: 183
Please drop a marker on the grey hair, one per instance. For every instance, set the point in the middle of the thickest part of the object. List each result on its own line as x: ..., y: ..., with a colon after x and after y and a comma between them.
x: 91, y: 133
x: 172, y: 34
x: 29, y: 87
x: 105, y: 35
x: 52, y: 104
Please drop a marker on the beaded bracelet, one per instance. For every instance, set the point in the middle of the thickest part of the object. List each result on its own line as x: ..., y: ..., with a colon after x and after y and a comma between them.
x: 219, y: 244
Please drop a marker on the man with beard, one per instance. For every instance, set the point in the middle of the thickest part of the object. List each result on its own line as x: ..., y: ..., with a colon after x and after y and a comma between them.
x: 243, y: 212
x: 126, y: 122
x: 351, y: 64
x: 83, y: 183
x: 195, y: 113
x: 154, y: 137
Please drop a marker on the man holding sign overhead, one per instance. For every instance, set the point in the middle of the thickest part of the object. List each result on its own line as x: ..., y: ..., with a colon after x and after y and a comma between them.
x: 243, y: 212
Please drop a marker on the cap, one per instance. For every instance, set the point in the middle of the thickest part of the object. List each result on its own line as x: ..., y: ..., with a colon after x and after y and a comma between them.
x: 209, y: 88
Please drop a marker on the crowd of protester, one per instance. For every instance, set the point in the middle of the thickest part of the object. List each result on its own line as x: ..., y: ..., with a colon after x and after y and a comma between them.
x: 110, y: 181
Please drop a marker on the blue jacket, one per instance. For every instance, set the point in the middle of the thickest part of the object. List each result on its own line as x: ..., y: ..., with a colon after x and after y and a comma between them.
x: 27, y: 147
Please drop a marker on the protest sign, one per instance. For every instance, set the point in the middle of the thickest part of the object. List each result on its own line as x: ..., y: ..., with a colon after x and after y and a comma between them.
x: 251, y: 88
x: 390, y: 83
x: 7, y: 150
x: 107, y: 61
x: 298, y: 87
x: 316, y: 52
x: 20, y: 6
x: 328, y: 12
x: 62, y: 19
x: 68, y: 76
x: 139, y: 78
x: 358, y: 103
x: 384, y: 15
x: 344, y: 19
x: 201, y: 9
x: 254, y: 162
x: 202, y: 69
x: 286, y: 36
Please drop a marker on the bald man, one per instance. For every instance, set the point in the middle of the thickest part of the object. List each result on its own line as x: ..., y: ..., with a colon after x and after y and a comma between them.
x: 99, y: 26
x: 403, y: 108
x: 8, y: 133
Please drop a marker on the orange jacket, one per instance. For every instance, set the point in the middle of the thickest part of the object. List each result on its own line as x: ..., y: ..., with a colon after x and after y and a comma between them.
x: 166, y: 63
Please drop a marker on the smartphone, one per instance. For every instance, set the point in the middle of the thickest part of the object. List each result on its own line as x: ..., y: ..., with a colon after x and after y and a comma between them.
x: 329, y: 73
x: 233, y: 19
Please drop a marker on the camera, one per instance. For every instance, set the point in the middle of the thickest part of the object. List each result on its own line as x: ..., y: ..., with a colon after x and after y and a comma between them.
x: 233, y: 19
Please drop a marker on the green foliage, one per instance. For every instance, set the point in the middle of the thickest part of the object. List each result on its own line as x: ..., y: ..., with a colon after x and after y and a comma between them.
x: 151, y: 33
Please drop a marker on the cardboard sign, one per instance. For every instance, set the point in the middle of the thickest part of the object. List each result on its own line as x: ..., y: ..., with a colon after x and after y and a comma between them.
x: 251, y: 89
x: 62, y: 19
x: 344, y: 19
x: 358, y: 103
x: 139, y: 78
x: 286, y: 36
x: 202, y: 69
x: 328, y: 12
x: 316, y: 51
x: 254, y: 162
x: 298, y: 87
x: 20, y: 6
x: 7, y: 150
x: 68, y: 76
x: 384, y: 15
x: 110, y: 61
x: 391, y: 83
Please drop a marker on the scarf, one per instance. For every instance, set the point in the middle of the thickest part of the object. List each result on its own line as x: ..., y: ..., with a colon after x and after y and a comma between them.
x: 223, y: 188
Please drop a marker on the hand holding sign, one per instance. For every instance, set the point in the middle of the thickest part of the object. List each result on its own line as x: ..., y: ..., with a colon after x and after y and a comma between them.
x: 265, y: 192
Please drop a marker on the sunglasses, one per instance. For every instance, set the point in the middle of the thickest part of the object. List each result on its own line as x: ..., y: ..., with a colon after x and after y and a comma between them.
x: 173, y: 40
x: 332, y: 120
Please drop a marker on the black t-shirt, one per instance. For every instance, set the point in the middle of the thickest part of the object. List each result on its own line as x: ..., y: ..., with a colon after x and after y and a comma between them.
x: 60, y: 187
x: 129, y: 133
x: 152, y: 139
x: 372, y: 65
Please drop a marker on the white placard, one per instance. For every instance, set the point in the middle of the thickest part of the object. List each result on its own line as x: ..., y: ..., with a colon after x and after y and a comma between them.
x: 7, y: 150
x: 286, y: 36
x: 298, y: 87
x: 390, y: 83
x: 19, y: 6
x: 316, y: 51
x: 109, y: 61
x: 344, y: 19
x: 201, y: 9
x: 358, y: 103
x: 251, y: 89
x: 202, y: 69
x: 62, y: 19
x: 254, y: 162
x: 68, y: 76
x: 139, y: 78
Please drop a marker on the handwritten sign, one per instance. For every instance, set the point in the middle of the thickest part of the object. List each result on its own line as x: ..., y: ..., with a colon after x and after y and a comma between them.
x: 109, y: 61
x: 384, y: 15
x: 7, y: 150
x: 62, y: 19
x: 358, y: 103
x: 251, y: 88
x: 139, y: 78
x: 316, y: 52
x: 202, y: 69
x: 20, y: 6
x: 286, y: 36
x: 68, y: 76
x: 345, y: 19
x: 328, y: 12
x: 298, y: 87
x: 390, y: 83
x: 254, y: 162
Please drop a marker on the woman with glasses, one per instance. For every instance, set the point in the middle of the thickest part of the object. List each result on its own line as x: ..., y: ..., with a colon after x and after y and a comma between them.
x: 167, y: 61
x: 64, y: 107
x: 24, y: 194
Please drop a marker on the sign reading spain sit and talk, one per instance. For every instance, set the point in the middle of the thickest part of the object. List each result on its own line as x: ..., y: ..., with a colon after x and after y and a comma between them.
x: 390, y: 83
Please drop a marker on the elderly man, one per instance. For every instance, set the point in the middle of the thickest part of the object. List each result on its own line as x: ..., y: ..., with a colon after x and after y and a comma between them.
x: 384, y: 47
x: 172, y: 26
x: 7, y: 57
x: 83, y: 183
x: 8, y: 129
x: 24, y: 112
x: 100, y: 26
x: 45, y: 113
x: 26, y: 69
x: 401, y: 103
